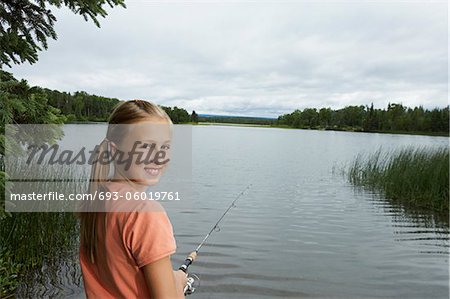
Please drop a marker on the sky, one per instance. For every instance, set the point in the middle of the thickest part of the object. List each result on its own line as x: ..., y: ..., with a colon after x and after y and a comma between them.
x: 251, y: 58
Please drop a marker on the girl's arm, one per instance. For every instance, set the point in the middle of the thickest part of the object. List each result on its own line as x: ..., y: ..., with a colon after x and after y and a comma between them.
x: 162, y: 281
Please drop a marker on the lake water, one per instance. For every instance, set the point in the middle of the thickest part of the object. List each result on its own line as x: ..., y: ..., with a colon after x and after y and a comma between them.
x: 301, y: 230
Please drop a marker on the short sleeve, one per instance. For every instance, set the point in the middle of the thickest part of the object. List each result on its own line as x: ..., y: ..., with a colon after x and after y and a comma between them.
x: 149, y: 236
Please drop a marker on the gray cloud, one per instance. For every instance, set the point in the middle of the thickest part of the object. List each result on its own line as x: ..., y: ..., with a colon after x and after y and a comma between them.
x: 252, y: 58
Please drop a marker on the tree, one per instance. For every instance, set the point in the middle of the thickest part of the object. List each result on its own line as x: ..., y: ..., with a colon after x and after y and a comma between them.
x: 309, y: 117
x: 395, y: 118
x: 325, y: 116
x: 177, y: 115
x: 371, y: 121
x: 353, y: 116
x: 395, y: 113
x: 26, y: 24
x: 194, y: 117
x: 20, y: 104
x: 289, y: 119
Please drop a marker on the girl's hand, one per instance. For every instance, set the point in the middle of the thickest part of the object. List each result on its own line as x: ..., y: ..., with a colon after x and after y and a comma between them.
x: 180, y: 280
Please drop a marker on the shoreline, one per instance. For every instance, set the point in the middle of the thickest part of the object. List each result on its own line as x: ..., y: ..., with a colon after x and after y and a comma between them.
x: 432, y: 134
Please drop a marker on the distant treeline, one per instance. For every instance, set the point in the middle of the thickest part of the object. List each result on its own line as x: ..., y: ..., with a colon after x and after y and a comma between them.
x: 21, y: 103
x: 236, y: 119
x: 24, y: 104
x: 396, y: 118
x: 82, y: 106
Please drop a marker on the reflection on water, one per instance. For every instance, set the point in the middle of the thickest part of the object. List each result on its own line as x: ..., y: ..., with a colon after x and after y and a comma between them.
x: 405, y: 213
x: 59, y: 277
x: 301, y: 231
x: 426, y: 230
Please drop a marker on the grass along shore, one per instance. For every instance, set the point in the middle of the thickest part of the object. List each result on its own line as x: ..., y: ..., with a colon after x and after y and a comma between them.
x: 415, y: 177
x: 30, y: 242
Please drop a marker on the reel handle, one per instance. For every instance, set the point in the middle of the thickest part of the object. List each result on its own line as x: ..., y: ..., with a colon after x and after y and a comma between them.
x: 189, y: 288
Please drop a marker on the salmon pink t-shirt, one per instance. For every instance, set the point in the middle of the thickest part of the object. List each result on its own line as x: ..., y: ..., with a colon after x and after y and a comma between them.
x: 129, y: 241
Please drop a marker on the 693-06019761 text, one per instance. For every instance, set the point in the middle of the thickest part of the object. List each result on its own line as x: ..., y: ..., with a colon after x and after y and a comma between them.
x: 104, y: 196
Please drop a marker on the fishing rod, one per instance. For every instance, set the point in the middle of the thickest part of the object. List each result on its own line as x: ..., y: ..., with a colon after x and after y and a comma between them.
x: 189, y: 289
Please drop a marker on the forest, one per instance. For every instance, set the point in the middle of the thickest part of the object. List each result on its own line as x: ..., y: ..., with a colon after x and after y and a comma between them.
x: 81, y: 107
x: 396, y: 118
x: 20, y: 101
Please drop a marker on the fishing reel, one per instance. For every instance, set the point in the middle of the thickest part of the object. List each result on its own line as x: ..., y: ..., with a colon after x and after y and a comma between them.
x: 193, y: 282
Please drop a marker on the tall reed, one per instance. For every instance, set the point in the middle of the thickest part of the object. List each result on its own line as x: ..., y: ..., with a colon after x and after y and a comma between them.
x: 28, y: 240
x: 417, y: 177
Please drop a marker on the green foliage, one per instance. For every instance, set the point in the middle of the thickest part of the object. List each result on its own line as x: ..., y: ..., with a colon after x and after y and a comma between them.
x: 9, y: 270
x: 309, y: 117
x: 21, y: 104
x: 396, y: 118
x: 325, y: 117
x: 194, y: 117
x: 417, y: 177
x: 177, y: 115
x: 236, y: 120
x: 35, y: 238
x: 26, y: 25
x: 81, y: 106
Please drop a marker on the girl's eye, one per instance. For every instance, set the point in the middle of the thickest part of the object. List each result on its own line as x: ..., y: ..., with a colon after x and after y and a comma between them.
x: 146, y: 145
x: 165, y: 146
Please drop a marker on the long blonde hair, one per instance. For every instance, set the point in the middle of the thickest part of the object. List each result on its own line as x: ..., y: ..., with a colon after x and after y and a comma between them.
x: 129, y: 112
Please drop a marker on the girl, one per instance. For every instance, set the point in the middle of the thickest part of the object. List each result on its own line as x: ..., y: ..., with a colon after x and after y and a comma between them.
x: 126, y: 254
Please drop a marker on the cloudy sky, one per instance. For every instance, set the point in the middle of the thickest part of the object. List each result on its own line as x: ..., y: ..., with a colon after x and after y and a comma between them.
x: 253, y: 58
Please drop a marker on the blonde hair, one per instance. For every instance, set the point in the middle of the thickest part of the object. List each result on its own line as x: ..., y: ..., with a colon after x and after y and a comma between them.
x: 128, y: 112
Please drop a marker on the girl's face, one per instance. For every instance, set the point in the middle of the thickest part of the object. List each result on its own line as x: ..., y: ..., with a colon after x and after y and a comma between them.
x: 143, y: 153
